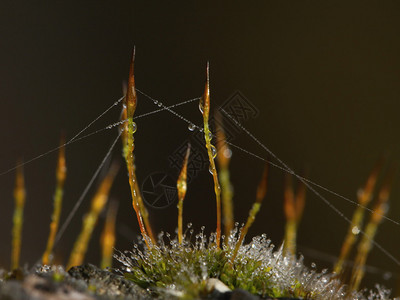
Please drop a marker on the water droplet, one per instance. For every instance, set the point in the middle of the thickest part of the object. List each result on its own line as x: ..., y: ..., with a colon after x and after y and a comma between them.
x: 189, y: 225
x: 214, y: 151
x: 155, y: 102
x: 134, y: 127
x: 201, y: 106
x: 313, y: 265
x: 355, y: 230
x: 160, y: 104
x: 191, y: 127
x: 210, y: 169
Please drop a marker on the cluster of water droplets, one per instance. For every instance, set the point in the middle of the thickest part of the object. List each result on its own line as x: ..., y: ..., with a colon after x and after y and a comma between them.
x: 170, y: 265
x: 171, y: 268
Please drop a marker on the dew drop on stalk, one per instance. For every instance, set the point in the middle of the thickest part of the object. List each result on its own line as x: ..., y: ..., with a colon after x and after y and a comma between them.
x: 201, y: 106
x: 355, y: 230
x: 210, y: 169
x: 214, y: 151
x: 191, y: 127
x: 134, y: 127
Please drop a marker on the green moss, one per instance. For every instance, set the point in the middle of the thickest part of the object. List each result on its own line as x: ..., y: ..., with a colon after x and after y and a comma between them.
x: 182, y: 270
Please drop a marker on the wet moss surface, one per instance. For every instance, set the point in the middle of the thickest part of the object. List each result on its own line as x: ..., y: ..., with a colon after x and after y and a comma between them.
x: 87, y: 282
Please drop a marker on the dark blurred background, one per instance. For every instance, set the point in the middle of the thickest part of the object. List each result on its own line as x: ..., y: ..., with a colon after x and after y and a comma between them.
x: 323, y: 77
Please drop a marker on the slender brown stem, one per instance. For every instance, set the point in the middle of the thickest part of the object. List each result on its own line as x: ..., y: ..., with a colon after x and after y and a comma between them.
x: 261, y: 192
x: 182, y: 188
x: 223, y: 159
x: 18, y: 219
x: 89, y: 222
x: 212, y: 152
x: 61, y: 174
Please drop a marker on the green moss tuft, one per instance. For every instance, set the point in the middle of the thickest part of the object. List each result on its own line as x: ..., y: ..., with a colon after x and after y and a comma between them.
x: 183, y: 270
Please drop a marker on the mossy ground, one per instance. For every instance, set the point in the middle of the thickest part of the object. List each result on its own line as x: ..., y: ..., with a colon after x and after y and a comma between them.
x: 182, y: 270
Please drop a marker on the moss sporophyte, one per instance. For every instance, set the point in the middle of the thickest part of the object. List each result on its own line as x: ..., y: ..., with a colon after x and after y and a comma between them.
x: 184, y: 266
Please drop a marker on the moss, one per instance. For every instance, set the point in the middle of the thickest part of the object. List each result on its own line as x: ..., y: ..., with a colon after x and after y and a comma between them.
x: 171, y: 268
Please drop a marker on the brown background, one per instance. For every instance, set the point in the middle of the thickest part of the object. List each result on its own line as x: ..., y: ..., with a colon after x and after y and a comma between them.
x: 324, y: 77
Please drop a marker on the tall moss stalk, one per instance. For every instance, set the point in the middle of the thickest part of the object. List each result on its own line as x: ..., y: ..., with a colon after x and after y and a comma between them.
x: 182, y: 188
x: 204, y: 107
x: 223, y: 159
x: 61, y: 173
x: 18, y: 219
x: 128, y: 147
x: 364, y: 196
x: 108, y: 238
x: 293, y: 208
x: 261, y: 192
x: 365, y: 246
x: 89, y: 222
